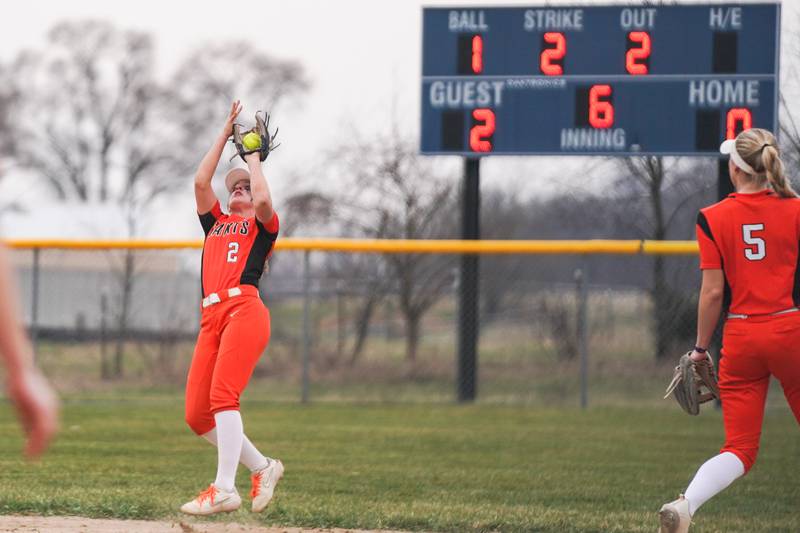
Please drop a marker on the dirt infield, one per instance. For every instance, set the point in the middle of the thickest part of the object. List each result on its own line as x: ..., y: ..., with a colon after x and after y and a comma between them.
x: 75, y: 524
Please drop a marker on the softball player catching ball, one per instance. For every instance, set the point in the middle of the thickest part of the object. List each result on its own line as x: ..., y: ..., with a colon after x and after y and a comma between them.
x: 235, y: 325
x: 749, y: 257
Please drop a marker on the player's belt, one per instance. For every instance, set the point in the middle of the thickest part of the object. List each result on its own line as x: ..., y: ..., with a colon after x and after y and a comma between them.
x: 792, y: 310
x: 218, y: 297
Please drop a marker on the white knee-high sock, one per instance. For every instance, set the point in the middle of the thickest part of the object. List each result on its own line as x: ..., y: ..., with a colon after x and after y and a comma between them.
x: 250, y: 456
x: 229, y: 447
x: 712, y: 478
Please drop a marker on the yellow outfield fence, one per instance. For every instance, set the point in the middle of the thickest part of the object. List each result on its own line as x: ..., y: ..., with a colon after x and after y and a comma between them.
x: 543, y: 247
x: 347, y: 325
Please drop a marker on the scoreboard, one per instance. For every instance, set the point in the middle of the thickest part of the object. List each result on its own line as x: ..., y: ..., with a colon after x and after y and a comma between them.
x: 597, y: 80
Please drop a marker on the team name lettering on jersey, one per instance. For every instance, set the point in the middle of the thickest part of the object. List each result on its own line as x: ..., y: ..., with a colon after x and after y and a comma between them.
x: 222, y: 229
x: 235, y: 249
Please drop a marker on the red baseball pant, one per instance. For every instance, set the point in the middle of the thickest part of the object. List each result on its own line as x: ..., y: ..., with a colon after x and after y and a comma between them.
x: 753, y: 349
x: 233, y: 335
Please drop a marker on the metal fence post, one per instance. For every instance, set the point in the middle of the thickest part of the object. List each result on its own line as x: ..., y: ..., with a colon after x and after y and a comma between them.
x: 306, y: 322
x: 34, y: 330
x: 582, y: 330
x: 339, y: 319
x: 105, y: 371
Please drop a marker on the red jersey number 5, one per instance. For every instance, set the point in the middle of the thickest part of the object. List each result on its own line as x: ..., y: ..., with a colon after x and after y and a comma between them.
x: 233, y: 249
x: 756, y: 248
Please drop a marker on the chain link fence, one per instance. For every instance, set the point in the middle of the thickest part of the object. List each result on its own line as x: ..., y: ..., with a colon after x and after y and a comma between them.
x: 566, y: 330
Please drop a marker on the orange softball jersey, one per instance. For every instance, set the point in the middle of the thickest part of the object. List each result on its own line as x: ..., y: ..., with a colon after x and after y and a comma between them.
x: 235, y: 249
x: 755, y: 239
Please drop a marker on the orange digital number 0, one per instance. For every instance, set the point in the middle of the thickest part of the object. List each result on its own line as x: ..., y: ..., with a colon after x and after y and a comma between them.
x: 737, y: 115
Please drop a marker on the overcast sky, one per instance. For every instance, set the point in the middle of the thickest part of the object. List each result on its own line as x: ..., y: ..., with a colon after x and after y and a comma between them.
x: 362, y: 57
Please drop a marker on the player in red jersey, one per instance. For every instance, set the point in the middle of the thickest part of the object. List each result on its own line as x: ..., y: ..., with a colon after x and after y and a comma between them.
x: 235, y: 325
x: 750, y: 262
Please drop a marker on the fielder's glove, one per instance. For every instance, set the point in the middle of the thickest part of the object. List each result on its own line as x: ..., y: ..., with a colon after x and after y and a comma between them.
x: 267, y: 141
x: 690, y: 380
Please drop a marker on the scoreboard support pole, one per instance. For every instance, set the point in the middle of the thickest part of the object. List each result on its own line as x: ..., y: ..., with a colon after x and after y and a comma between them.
x: 468, y: 286
x: 724, y: 185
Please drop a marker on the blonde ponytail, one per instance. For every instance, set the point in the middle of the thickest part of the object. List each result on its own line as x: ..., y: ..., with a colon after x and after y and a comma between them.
x: 759, y: 149
x: 773, y: 166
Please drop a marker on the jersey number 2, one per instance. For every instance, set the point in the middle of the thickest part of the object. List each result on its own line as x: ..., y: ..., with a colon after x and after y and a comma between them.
x: 233, y: 249
x: 757, y: 248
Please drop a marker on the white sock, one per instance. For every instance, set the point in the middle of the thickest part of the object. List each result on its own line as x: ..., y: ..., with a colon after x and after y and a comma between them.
x: 712, y: 478
x: 230, y: 435
x: 250, y: 456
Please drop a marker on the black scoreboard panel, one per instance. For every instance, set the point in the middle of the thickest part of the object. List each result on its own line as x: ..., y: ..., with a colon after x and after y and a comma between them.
x: 597, y: 80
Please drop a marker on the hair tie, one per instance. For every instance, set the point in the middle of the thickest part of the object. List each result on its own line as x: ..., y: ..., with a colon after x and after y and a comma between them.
x: 764, y: 146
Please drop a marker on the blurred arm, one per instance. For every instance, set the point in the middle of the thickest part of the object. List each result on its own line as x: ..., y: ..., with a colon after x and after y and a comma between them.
x: 35, y: 402
x: 15, y: 349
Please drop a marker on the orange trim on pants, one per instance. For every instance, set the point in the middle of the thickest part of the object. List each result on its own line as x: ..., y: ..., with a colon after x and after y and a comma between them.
x: 753, y: 349
x: 233, y: 335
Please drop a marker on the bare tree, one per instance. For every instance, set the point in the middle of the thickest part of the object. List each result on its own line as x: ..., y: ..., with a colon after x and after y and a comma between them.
x: 666, y: 192
x: 99, y: 128
x: 361, y: 276
x: 392, y: 192
x: 787, y: 110
x: 790, y: 138
x: 88, y: 109
x: 6, y: 102
x: 213, y: 75
x: 503, y: 216
x: 310, y: 209
x: 83, y: 101
x: 7, y: 139
x: 367, y: 279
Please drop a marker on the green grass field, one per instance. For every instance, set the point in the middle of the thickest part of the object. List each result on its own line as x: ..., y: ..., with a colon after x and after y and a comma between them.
x: 414, y: 467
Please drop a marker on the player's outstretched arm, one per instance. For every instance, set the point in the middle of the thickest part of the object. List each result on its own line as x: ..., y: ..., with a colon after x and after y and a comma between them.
x: 262, y: 199
x: 203, y: 192
x: 35, y: 402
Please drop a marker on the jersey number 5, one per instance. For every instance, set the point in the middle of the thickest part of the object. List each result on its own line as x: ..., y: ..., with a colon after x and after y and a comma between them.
x: 757, y: 248
x: 233, y: 249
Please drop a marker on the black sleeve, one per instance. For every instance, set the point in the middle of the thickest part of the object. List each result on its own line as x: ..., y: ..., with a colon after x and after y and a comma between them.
x: 207, y: 220
x: 703, y: 223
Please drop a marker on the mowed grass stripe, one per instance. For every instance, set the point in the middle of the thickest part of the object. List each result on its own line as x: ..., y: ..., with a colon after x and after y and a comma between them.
x: 416, y: 467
